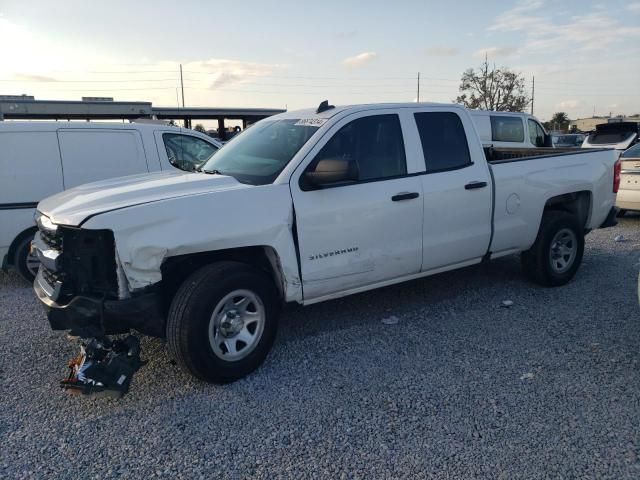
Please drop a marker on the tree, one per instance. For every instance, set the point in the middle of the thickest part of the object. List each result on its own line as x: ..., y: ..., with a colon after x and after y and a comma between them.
x: 493, y: 89
x: 199, y: 128
x: 559, y: 121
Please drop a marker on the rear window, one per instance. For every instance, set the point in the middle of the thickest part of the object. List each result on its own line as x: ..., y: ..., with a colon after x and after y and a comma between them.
x: 507, y: 129
x: 444, y: 141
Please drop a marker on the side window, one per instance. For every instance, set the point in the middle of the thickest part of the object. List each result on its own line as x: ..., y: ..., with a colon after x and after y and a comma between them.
x: 535, y: 133
x: 444, y: 141
x: 186, y: 152
x: 507, y: 129
x: 372, y: 145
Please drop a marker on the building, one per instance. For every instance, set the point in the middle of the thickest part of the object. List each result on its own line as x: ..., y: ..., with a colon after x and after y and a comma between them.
x: 588, y: 124
x: 24, y: 107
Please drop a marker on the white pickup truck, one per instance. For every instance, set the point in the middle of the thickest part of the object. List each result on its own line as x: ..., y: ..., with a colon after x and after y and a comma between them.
x: 304, y: 207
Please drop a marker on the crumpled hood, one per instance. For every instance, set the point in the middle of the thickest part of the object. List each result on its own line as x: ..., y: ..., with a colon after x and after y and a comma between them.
x: 73, y: 206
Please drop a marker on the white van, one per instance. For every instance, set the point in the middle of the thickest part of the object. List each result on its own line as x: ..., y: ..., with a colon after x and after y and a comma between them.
x: 510, y: 130
x: 38, y: 159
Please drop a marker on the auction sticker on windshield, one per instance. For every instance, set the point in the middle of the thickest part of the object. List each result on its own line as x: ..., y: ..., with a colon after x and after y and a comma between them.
x: 311, y: 122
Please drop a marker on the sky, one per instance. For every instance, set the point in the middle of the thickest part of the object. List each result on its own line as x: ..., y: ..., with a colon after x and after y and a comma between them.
x: 584, y: 55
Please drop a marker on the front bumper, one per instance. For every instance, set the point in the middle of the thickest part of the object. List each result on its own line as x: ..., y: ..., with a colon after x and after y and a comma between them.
x: 628, y: 199
x: 91, y: 317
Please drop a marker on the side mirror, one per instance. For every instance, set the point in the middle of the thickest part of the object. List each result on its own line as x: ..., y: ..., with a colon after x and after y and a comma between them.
x: 331, y: 170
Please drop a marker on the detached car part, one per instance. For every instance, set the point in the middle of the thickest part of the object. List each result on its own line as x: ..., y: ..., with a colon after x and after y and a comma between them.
x: 104, y: 367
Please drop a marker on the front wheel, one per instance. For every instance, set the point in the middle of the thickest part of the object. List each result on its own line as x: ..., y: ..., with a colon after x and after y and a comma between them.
x: 25, y: 262
x: 555, y: 257
x: 223, y: 321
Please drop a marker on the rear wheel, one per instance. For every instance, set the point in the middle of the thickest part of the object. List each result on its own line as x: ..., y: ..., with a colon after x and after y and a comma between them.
x: 555, y: 257
x: 222, y: 321
x: 26, y: 263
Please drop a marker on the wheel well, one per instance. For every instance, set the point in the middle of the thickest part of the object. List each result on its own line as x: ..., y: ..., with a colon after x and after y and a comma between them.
x: 16, y: 241
x: 175, y: 270
x: 576, y: 203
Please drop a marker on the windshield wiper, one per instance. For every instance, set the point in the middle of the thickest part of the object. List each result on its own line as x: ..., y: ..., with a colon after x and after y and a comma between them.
x: 211, y: 172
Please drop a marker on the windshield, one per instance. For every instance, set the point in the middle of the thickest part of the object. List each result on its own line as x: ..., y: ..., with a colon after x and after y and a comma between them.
x: 633, y: 152
x: 260, y: 153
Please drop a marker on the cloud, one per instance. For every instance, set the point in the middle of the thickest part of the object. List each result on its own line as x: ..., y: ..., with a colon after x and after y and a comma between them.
x: 544, y: 32
x: 442, y: 51
x: 568, y: 104
x: 634, y: 7
x: 27, y: 77
x: 230, y: 72
x: 360, y: 59
x: 493, y: 52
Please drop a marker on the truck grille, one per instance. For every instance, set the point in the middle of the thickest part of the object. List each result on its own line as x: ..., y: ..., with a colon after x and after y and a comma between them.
x: 53, y: 239
x: 76, y: 261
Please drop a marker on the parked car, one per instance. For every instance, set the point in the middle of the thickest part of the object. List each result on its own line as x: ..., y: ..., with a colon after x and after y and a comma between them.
x: 629, y: 194
x: 617, y: 135
x: 304, y: 207
x: 38, y: 159
x: 569, y: 140
x: 510, y: 130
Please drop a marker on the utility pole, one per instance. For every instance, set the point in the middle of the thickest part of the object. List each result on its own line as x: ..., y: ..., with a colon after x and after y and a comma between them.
x: 181, y: 85
x: 418, y: 96
x: 533, y: 92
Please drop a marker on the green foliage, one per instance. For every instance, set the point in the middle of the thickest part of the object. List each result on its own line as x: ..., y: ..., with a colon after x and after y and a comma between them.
x: 494, y: 88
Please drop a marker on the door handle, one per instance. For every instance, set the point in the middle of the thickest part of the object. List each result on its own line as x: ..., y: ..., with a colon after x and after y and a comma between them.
x: 405, y: 196
x: 474, y: 185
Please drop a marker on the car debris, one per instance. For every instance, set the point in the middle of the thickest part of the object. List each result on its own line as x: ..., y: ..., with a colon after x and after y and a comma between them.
x: 392, y: 320
x: 527, y: 376
x: 104, y: 367
x: 506, y: 303
x: 619, y: 238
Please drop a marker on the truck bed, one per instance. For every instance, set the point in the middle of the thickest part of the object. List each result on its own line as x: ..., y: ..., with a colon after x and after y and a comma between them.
x: 503, y: 155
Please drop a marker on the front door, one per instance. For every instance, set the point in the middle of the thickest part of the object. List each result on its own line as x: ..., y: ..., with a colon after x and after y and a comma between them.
x: 366, y: 230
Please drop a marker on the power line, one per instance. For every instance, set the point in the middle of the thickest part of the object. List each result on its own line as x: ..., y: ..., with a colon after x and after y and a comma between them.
x: 33, y: 80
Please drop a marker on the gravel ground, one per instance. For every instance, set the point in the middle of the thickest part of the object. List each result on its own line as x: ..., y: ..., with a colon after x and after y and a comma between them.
x: 458, y: 388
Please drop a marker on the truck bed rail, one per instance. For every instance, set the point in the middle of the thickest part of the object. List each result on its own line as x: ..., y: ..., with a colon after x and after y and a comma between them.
x: 504, y: 155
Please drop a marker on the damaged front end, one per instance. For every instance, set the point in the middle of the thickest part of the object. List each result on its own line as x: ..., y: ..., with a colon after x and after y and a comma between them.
x: 82, y: 287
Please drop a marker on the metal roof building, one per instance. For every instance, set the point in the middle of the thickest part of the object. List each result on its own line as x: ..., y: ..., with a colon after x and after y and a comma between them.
x: 22, y: 107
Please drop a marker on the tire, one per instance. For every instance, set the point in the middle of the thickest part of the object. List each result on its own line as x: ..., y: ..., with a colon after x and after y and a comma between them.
x: 205, y: 344
x: 555, y: 257
x: 25, y: 264
x: 621, y: 213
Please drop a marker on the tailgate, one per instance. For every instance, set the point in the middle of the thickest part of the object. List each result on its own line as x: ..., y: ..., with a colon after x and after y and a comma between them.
x: 630, y: 174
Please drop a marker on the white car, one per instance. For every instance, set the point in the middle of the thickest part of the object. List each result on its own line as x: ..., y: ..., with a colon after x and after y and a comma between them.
x: 38, y: 159
x: 304, y: 207
x: 617, y: 135
x: 629, y: 194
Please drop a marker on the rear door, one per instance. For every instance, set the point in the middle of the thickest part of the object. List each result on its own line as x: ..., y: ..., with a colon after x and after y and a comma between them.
x: 456, y: 189
x: 95, y: 154
x: 365, y: 231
